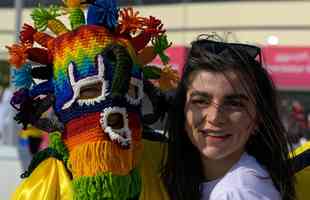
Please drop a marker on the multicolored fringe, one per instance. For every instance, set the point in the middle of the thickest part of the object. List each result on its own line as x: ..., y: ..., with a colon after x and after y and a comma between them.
x: 89, y: 159
x: 107, y: 186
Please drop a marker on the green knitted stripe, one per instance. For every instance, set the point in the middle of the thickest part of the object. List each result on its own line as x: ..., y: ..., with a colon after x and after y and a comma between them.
x: 107, y: 187
x: 122, y: 69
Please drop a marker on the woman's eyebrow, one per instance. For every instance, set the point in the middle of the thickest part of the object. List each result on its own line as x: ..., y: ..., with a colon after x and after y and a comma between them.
x: 228, y: 97
x: 200, y: 94
x: 237, y: 96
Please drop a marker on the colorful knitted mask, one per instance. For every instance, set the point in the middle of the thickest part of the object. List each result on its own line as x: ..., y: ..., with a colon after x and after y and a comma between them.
x: 94, y: 76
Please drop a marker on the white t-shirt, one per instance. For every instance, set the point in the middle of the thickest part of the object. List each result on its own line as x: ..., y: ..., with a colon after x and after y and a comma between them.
x: 246, y: 180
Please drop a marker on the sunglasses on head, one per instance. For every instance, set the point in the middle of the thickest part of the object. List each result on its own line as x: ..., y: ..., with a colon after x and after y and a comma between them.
x: 218, y: 47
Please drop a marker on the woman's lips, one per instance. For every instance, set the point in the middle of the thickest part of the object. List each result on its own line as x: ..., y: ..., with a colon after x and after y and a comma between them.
x: 217, y: 134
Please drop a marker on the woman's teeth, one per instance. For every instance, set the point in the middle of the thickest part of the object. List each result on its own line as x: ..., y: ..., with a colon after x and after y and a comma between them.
x: 215, y: 134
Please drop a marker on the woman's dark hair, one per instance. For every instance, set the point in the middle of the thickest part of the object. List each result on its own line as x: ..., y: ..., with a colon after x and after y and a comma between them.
x: 182, y: 170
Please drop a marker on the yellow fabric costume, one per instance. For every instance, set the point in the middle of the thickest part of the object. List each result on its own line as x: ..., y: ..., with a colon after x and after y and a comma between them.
x: 51, y: 181
x: 302, y: 154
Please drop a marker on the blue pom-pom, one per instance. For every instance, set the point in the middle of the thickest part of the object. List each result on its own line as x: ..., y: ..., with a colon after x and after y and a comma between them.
x: 21, y: 78
x: 103, y: 13
x: 45, y: 87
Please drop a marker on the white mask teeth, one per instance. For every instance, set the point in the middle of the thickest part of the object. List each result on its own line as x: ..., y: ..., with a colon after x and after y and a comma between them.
x: 215, y: 133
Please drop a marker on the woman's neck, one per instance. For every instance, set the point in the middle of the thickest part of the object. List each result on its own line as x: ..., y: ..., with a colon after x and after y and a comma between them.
x: 217, y: 168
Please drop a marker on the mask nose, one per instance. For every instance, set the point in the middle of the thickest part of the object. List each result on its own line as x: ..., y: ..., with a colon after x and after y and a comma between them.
x: 114, y: 122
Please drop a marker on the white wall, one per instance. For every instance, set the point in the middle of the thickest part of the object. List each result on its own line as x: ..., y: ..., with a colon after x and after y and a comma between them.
x: 250, y: 21
x: 10, y: 171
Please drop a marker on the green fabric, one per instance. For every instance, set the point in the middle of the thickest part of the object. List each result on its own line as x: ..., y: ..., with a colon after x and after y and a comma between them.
x: 107, y: 187
x: 56, y: 143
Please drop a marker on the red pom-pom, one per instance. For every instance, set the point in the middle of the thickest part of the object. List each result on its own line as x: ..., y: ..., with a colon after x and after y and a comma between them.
x: 38, y: 55
x: 27, y: 33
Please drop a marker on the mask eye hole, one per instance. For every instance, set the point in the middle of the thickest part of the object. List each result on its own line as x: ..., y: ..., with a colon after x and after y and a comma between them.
x: 115, y: 121
x: 91, y: 91
x: 135, y: 91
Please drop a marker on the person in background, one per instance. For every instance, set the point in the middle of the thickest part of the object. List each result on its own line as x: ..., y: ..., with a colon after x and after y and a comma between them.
x: 226, y: 139
x: 294, y: 120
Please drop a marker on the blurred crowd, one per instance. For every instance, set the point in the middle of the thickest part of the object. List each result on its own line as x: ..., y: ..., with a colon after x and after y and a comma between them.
x: 296, y: 120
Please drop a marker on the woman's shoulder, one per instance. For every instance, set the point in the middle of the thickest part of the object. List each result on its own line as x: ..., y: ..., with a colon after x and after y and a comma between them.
x: 249, y: 179
x: 237, y: 193
x: 248, y: 170
x: 248, y: 173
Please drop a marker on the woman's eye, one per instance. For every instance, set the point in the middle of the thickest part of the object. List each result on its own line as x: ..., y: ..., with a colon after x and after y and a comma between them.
x: 235, y: 104
x: 200, y: 102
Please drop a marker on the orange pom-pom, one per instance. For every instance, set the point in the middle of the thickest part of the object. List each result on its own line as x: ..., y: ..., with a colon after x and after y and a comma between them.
x: 18, y: 54
x: 129, y: 22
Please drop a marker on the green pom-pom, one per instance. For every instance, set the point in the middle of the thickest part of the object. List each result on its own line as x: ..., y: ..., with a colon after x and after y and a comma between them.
x: 41, y: 16
x: 160, y: 44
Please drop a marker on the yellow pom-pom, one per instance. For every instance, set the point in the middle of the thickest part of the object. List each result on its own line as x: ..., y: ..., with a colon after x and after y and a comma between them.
x: 169, y: 78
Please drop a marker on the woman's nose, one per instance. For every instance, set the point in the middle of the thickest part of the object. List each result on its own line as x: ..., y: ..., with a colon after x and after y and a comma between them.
x: 214, y: 114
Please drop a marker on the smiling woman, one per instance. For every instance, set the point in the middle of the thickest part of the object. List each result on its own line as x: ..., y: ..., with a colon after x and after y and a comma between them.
x: 220, y: 122
x: 229, y: 142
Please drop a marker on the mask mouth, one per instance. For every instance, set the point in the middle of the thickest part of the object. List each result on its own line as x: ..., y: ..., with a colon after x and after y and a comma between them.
x: 90, y: 91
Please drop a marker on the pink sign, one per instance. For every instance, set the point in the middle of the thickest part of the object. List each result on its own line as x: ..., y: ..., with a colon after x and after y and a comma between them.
x: 288, y: 66
x: 177, y: 55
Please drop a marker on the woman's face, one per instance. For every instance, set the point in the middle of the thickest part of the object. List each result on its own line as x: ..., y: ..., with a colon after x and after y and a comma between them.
x: 219, y: 115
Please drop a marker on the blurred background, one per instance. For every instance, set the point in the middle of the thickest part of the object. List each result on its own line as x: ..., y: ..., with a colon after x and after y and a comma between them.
x: 281, y: 28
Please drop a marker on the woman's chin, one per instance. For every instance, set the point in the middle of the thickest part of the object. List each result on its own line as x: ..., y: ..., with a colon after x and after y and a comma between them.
x: 212, y: 153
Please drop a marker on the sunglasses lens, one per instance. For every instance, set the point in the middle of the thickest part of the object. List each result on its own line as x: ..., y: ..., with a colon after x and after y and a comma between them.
x: 219, y: 47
